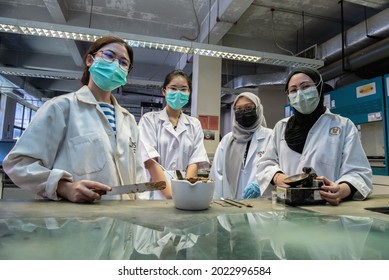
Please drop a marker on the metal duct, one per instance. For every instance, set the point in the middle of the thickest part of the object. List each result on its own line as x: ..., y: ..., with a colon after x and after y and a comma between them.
x: 264, y: 79
x: 357, y: 37
x: 361, y: 58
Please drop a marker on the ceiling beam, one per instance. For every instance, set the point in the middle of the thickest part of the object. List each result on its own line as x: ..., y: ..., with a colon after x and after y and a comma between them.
x: 377, y: 4
x: 221, y: 16
x: 58, y: 12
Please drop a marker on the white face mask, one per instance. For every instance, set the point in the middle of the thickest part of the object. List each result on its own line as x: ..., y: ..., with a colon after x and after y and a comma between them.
x: 305, y: 101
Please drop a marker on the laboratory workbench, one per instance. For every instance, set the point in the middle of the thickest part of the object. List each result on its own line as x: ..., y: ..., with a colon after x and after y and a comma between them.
x: 139, y: 229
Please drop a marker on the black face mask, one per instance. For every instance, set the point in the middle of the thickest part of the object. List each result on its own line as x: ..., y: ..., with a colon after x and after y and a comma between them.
x: 246, y: 118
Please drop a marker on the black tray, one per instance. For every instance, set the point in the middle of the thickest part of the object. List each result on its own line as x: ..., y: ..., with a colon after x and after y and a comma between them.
x: 383, y: 210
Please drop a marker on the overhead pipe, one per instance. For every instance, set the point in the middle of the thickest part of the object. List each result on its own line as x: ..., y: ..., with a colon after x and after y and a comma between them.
x: 342, y: 34
x: 357, y: 37
x: 265, y: 79
x: 361, y: 58
x: 359, y: 43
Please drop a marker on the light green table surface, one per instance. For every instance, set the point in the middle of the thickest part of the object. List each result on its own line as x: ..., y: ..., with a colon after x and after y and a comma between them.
x: 34, y: 229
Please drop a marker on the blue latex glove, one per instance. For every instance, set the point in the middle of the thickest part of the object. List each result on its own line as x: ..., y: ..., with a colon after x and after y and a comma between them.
x: 251, y: 190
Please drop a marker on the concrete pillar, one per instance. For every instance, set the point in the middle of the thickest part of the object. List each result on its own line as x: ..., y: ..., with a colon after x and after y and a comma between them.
x: 7, y: 117
x: 206, y: 98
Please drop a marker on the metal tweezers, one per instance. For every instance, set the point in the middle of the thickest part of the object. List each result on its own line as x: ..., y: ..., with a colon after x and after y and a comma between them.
x: 235, y: 203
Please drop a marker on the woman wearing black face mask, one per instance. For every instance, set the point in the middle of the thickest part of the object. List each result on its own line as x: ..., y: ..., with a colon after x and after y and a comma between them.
x: 233, y: 167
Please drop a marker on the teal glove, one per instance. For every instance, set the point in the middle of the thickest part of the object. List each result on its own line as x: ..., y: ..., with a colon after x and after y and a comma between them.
x: 251, y: 190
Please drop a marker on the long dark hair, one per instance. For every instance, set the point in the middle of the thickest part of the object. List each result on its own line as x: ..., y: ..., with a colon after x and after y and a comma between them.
x: 97, y: 45
x: 169, y: 77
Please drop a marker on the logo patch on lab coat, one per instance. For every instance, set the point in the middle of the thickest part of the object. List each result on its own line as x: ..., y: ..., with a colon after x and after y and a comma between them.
x: 132, y: 144
x: 260, y: 153
x: 335, y: 131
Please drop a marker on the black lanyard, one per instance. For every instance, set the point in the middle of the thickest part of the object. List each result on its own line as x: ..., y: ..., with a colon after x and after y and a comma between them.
x: 246, y: 152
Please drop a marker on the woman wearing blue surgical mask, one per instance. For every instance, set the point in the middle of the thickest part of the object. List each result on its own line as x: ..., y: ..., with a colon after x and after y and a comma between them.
x: 172, y: 138
x: 314, y: 137
x: 80, y: 144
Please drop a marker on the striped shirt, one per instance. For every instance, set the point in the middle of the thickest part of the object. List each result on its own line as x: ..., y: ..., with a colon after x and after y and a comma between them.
x: 109, y: 112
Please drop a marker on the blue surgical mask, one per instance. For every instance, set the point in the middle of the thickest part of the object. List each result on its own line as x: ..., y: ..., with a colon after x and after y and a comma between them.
x: 177, y: 99
x: 106, y: 75
x: 305, y: 101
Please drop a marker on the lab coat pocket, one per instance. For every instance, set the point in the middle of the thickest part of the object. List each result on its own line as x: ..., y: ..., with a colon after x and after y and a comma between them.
x: 329, y: 153
x: 87, y: 154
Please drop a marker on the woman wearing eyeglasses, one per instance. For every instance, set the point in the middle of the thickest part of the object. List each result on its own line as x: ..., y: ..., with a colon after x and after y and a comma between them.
x: 170, y: 137
x: 233, y: 167
x: 80, y: 144
x: 316, y: 138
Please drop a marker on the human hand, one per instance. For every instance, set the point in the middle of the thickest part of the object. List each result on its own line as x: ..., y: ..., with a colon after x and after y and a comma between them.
x: 81, y: 191
x: 278, y: 179
x: 333, y: 192
x: 251, y: 190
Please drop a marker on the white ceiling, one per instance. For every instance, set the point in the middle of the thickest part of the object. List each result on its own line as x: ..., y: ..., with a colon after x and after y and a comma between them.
x: 285, y: 27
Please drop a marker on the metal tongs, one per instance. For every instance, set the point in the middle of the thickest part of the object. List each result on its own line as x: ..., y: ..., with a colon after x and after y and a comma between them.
x: 164, y: 169
x: 179, y: 175
x: 235, y: 203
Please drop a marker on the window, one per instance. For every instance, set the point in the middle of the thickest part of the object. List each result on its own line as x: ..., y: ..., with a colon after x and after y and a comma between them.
x: 23, y: 117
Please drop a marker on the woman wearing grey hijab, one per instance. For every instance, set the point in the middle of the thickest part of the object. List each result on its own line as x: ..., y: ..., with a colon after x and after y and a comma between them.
x: 234, y: 164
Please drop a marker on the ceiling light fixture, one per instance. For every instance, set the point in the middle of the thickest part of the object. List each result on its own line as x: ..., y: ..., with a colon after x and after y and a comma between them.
x: 34, y: 28
x: 54, y: 75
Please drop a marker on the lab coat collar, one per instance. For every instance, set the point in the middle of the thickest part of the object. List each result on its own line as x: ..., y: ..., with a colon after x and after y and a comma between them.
x: 260, y: 134
x: 314, y: 128
x: 164, y: 117
x: 184, y: 118
x: 326, y: 113
x: 85, y: 95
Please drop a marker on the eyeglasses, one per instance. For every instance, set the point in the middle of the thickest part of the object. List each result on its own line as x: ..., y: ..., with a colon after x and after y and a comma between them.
x: 302, y: 86
x: 244, y: 109
x: 174, y: 88
x: 110, y: 56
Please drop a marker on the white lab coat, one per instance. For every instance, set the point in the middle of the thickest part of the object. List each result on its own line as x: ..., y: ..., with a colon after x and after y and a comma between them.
x: 150, y: 241
x: 175, y: 148
x: 70, y: 138
x: 247, y: 174
x: 333, y: 149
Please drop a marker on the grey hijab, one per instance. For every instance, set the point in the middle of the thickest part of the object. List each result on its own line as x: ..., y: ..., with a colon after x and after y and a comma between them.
x: 241, y: 136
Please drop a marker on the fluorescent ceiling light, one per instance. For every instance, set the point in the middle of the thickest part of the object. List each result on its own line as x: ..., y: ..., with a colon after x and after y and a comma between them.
x: 56, y: 75
x: 89, y: 34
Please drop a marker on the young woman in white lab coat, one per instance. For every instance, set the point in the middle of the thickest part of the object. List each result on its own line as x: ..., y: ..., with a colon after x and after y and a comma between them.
x: 172, y: 138
x: 234, y: 165
x: 314, y: 137
x: 72, y: 150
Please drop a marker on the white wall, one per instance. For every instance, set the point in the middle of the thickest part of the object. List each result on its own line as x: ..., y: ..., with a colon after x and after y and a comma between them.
x: 7, y: 116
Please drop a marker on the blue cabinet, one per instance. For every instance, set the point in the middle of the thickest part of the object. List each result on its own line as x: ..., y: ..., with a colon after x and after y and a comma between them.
x: 365, y: 104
